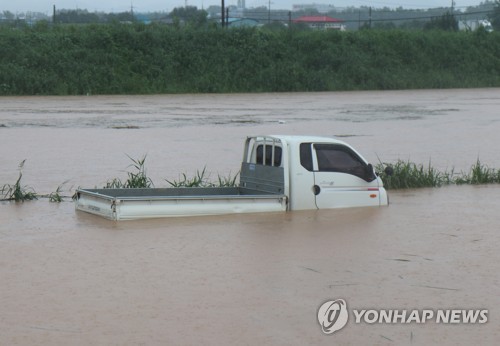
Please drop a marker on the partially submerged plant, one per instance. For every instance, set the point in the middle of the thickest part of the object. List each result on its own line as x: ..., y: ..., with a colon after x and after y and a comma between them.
x: 408, y: 175
x: 114, y: 183
x: 228, y: 181
x: 405, y: 175
x: 479, y: 174
x: 202, y: 179
x: 198, y: 180
x: 139, y: 178
x: 17, y: 192
x: 136, y: 179
x: 56, y: 196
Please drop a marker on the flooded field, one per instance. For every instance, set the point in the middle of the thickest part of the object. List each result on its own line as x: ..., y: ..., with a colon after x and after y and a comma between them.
x: 70, y: 278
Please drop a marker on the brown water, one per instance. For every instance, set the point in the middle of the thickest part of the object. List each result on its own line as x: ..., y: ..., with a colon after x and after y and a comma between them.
x: 71, y: 278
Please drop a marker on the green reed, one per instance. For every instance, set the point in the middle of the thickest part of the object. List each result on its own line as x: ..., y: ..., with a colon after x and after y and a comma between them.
x: 137, y: 178
x: 17, y: 192
x: 405, y: 175
x: 228, y: 181
x: 479, y: 174
x: 202, y: 179
x: 408, y: 175
x: 198, y: 180
x: 57, y: 196
x: 20, y: 193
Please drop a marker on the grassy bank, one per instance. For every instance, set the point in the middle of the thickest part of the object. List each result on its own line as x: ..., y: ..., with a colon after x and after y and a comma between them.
x: 143, y: 59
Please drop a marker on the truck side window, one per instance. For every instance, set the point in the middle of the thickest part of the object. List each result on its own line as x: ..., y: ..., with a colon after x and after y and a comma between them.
x: 269, y: 154
x: 306, y: 156
x: 338, y: 158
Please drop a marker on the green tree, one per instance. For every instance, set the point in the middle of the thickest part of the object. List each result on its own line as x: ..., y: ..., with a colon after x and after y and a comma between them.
x: 190, y: 15
x: 274, y: 26
x: 446, y: 22
x: 121, y: 17
x: 76, y: 16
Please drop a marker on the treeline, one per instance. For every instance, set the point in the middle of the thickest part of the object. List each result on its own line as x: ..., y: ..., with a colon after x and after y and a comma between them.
x: 355, y: 18
x: 143, y: 59
x: 84, y: 16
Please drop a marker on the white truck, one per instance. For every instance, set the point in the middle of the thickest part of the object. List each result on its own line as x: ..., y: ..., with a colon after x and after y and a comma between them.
x: 278, y: 173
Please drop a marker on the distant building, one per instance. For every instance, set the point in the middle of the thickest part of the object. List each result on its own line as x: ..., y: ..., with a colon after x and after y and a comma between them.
x: 241, y: 4
x: 241, y: 22
x: 321, y: 8
x: 321, y: 22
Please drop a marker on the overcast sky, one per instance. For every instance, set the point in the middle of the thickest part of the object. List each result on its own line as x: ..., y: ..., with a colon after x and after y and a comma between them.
x: 45, y: 6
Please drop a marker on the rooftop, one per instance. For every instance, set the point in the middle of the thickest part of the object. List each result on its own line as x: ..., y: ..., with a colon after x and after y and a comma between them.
x: 317, y: 19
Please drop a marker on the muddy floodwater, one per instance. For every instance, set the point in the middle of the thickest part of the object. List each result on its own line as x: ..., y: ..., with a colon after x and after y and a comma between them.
x: 70, y: 278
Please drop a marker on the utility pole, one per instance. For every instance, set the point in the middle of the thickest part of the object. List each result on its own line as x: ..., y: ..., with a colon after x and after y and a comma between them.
x: 269, y: 13
x: 370, y: 16
x: 54, y: 15
x: 222, y: 14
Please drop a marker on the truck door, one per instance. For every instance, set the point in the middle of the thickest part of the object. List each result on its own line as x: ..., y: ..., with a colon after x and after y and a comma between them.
x: 342, y: 178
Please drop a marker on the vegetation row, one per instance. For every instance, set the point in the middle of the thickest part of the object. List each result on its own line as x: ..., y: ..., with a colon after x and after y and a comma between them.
x: 146, y: 59
x: 405, y: 175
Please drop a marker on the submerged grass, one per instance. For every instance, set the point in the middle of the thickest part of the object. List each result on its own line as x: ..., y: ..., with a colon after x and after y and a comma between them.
x: 57, y: 196
x: 17, y: 192
x: 405, y: 175
x: 409, y: 175
x: 202, y: 179
x: 227, y: 181
x: 136, y: 178
x: 479, y: 174
x: 20, y: 193
x: 198, y: 180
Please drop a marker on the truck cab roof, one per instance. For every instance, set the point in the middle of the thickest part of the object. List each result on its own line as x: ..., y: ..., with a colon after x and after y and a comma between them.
x: 291, y: 139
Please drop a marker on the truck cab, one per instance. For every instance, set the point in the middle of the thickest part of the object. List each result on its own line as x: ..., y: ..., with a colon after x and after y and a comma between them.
x: 318, y: 172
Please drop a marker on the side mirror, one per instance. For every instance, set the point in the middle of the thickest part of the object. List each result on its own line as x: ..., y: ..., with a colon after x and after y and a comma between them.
x: 388, y: 171
x: 370, y: 174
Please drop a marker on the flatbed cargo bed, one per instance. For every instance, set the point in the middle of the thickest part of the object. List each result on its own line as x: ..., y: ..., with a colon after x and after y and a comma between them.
x: 130, y: 204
